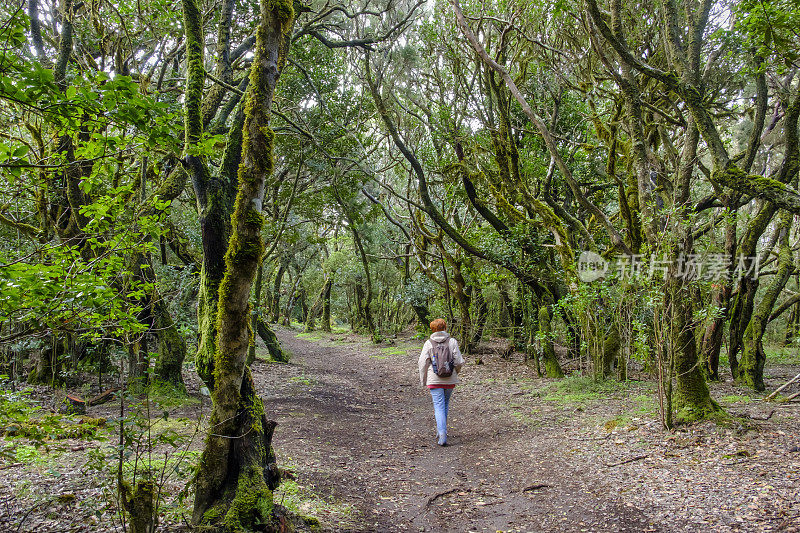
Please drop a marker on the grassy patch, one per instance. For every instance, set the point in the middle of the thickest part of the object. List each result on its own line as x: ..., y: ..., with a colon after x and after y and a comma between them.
x: 167, y: 395
x: 525, y: 416
x: 303, y: 501
x: 310, y: 336
x: 178, y: 465
x: 56, y: 427
x: 573, y: 398
x: 33, y: 455
x: 782, y: 355
x: 394, y: 350
x: 776, y: 355
x: 46, y: 460
x: 645, y: 405
x: 734, y: 398
x: 179, y: 425
x: 302, y: 380
x: 322, y: 338
x: 618, y: 421
x: 580, y: 390
x: 20, y: 416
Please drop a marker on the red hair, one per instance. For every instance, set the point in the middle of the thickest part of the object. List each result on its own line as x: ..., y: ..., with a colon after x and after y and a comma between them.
x: 438, y: 325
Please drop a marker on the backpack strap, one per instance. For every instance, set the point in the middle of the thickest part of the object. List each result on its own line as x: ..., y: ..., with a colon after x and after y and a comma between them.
x: 433, y: 354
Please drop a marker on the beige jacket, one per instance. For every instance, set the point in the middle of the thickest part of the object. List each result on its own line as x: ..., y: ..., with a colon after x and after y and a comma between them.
x: 426, y: 374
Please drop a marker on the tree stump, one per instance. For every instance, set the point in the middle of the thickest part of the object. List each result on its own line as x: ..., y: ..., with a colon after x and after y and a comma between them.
x: 73, y: 405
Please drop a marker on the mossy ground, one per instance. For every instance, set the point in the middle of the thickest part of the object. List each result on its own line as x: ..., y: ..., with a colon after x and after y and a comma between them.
x: 303, y: 380
x: 394, y: 350
x: 580, y: 390
x: 168, y: 395
x: 734, y: 399
x: 312, y: 335
x: 302, y: 500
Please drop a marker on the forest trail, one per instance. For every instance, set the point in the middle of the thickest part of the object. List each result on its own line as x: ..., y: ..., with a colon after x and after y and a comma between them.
x: 355, y: 424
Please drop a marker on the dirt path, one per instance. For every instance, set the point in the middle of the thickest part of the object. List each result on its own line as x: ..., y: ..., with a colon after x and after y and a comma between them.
x: 526, y: 454
x: 356, y: 425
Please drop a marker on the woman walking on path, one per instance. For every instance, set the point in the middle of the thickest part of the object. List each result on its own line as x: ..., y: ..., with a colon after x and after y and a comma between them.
x: 439, y: 364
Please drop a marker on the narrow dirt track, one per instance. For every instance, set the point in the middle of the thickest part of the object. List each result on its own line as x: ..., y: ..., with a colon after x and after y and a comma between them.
x: 358, y: 427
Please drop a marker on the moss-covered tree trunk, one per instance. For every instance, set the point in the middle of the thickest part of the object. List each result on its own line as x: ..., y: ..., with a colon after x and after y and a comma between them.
x: 692, y: 399
x: 611, y: 350
x: 275, y: 310
x: 711, y: 343
x: 171, y: 347
x: 237, y: 470
x: 255, y: 313
x: 215, y: 202
x: 214, y: 194
x: 326, y: 303
x: 751, y: 365
x: 276, y: 353
x: 692, y: 396
x: 551, y: 364
x: 140, y: 503
x: 481, y: 314
x: 744, y: 301
x: 139, y: 346
x: 46, y: 368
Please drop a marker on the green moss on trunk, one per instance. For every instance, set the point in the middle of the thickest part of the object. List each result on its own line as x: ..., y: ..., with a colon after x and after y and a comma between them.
x: 326, y: 304
x: 139, y: 502
x: 692, y: 397
x: 275, y: 311
x: 47, y: 364
x: 751, y: 366
x: 237, y: 470
x: 254, y: 315
x: 611, y: 350
x: 252, y: 503
x: 172, y: 348
x: 207, y: 327
x: 276, y: 353
x: 762, y: 187
x: 551, y: 365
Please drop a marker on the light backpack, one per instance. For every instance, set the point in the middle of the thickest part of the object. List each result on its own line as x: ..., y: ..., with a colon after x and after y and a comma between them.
x: 442, y: 359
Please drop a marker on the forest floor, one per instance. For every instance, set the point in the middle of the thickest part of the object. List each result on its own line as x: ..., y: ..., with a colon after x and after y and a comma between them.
x: 356, y: 432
